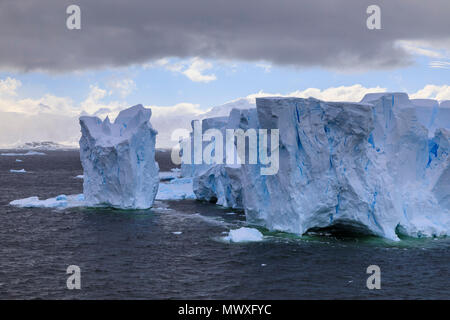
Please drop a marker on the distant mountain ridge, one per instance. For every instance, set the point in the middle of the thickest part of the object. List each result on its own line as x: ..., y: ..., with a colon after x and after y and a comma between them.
x: 45, y: 145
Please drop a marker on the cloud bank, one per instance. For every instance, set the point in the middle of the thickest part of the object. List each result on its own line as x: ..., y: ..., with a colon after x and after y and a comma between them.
x: 325, y: 33
x: 53, y: 118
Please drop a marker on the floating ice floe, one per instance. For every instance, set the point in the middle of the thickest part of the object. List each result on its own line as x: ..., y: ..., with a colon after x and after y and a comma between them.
x: 244, y: 234
x: 178, y: 190
x: 29, y: 153
x: 18, y: 160
x: 79, y: 177
x: 18, y: 171
x: 61, y: 201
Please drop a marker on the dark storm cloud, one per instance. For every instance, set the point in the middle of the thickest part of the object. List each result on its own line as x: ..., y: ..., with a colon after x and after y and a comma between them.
x: 328, y: 33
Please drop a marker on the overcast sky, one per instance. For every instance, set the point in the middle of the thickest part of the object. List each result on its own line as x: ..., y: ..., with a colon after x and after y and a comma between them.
x: 189, y: 55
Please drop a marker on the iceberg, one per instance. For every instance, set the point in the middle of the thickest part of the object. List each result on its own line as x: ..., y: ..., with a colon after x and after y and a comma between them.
x: 119, y: 160
x: 432, y: 114
x: 372, y: 167
x: 221, y: 183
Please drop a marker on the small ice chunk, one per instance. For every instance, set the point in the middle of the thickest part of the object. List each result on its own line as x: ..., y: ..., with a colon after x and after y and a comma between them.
x: 244, y: 235
x: 177, y: 232
x: 18, y: 160
x: 80, y: 176
x: 17, y: 171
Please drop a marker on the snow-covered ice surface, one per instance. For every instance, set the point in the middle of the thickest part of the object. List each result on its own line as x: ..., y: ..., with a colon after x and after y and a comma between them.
x: 371, y: 167
x: 119, y: 160
x: 244, y: 234
x: 29, y: 153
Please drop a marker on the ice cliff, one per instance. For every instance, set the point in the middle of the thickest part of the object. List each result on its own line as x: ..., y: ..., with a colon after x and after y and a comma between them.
x: 119, y: 160
x: 220, y: 183
x: 380, y: 166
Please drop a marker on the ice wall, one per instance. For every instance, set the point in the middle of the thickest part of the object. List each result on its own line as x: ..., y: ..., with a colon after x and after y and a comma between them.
x: 367, y: 166
x: 221, y: 183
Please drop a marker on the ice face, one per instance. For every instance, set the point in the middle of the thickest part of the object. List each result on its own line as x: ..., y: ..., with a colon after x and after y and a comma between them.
x: 432, y: 114
x: 221, y: 183
x: 119, y: 160
x: 367, y: 166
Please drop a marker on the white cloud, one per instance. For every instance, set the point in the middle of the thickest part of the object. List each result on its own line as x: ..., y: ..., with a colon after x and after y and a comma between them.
x: 195, y: 71
x: 265, y: 66
x: 344, y: 93
x: 8, y: 87
x: 421, y: 49
x: 166, y: 119
x: 192, y: 69
x: 122, y: 87
x: 48, y: 117
x: 56, y: 118
x: 440, y: 64
x: 432, y: 92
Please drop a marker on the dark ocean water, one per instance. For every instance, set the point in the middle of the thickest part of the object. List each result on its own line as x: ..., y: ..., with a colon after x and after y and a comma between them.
x: 135, y: 255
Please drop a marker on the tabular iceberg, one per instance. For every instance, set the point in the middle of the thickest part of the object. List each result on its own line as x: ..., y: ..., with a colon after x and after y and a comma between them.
x: 368, y: 166
x: 119, y: 160
x: 220, y: 183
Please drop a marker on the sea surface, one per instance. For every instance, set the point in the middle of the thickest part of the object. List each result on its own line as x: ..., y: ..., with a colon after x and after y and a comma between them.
x: 143, y: 255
